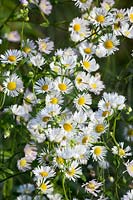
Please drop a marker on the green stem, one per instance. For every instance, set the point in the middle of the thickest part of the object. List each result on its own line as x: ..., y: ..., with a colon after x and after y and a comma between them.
x: 3, y: 101
x: 113, y: 134
x: 63, y: 185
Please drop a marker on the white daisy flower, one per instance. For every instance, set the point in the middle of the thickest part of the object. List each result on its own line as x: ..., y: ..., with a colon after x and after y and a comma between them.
x: 83, y: 4
x: 109, y: 42
x: 63, y: 85
x: 20, y: 111
x: 30, y: 151
x: 44, y: 187
x: 81, y: 81
x: 26, y: 188
x: 11, y: 56
x: 43, y: 156
x: 73, y: 172
x: 43, y: 85
x: 92, y: 187
x: 121, y: 151
x: 43, y: 172
x: 28, y: 47
x: 107, y: 4
x: 53, y: 98
x: 98, y: 16
x: 29, y: 98
x: 68, y: 62
x: 98, y: 153
x: 128, y: 133
x: 89, y: 64
x: 83, y: 101
x: 79, y: 30
x: 111, y: 100
x: 129, y: 166
x: 80, y: 117
x: 36, y: 128
x: 130, y: 14
x: 45, y: 7
x: 45, y: 45
x: 37, y: 61
x: 24, y: 197
x: 55, y: 196
x: 127, y: 30
x: 12, y: 85
x: 98, y: 125
x: 86, y: 48
x: 95, y: 84
x: 12, y: 36
x: 55, y: 134
x: 128, y: 195
x: 23, y: 164
x: 55, y: 66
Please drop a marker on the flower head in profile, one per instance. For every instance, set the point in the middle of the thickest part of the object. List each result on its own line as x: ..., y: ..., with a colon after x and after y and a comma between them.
x: 83, y: 4
x: 45, y: 6
x: 45, y: 45
x: 129, y: 166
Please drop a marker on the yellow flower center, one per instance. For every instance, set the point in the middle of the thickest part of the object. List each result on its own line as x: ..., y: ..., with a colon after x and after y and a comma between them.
x: 91, y: 186
x: 77, y: 27
x: 71, y: 172
x: 85, y: 139
x: 45, y: 119
x: 27, y: 49
x: 62, y: 86
x: 130, y: 132
x: 100, y: 18
x: 120, y: 15
x: 116, y: 26
x: 98, y: 151
x: 99, y: 128
x: 93, y: 85
x: 108, y: 44
x: 87, y: 50
x: 126, y: 33
x: 130, y: 168
x: 107, y: 104
x: 44, y: 174
x: 43, y: 187
x: 131, y: 17
x: 81, y: 101
x: 83, y: 1
x: 86, y: 64
x: 45, y: 87
x: 121, y: 152
x: 43, y: 46
x: 79, y: 80
x: 68, y: 127
x: 60, y: 160
x: 54, y: 100
x: 23, y: 162
x: 12, y: 58
x: 11, y: 86
x: 105, y: 113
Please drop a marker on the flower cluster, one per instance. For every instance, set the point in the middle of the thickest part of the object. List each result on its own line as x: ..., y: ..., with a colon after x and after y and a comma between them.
x: 60, y: 104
